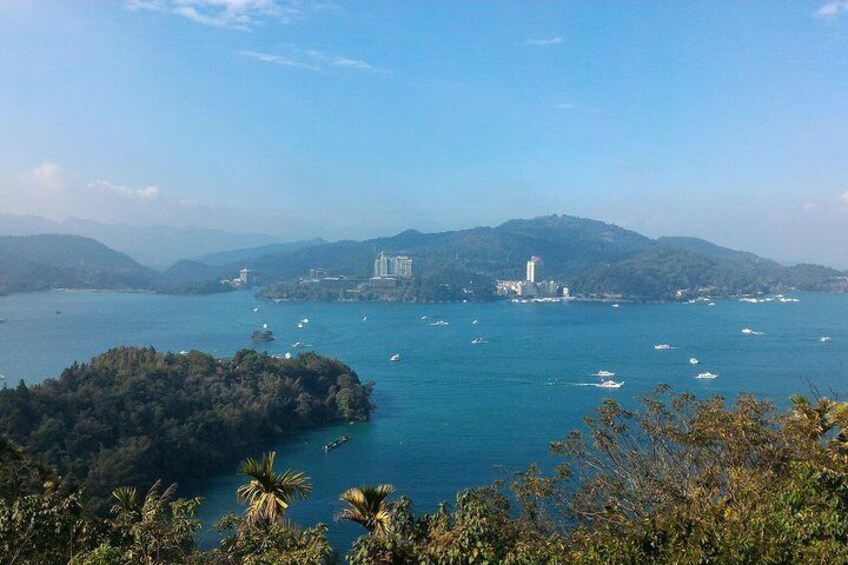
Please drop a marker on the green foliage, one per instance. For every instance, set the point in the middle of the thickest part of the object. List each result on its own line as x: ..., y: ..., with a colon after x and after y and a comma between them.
x: 268, y: 494
x: 133, y: 415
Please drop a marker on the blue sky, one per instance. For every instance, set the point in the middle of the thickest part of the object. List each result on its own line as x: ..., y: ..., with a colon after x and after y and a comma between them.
x: 724, y: 120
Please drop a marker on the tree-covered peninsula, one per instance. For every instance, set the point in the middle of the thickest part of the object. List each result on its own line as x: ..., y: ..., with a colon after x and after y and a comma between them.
x: 134, y: 415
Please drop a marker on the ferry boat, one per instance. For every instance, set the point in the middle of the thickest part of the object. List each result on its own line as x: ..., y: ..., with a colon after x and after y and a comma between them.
x: 265, y: 334
x: 336, y: 443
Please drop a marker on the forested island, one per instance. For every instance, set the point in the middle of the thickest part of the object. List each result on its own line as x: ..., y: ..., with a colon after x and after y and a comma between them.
x: 134, y: 415
x: 680, y: 480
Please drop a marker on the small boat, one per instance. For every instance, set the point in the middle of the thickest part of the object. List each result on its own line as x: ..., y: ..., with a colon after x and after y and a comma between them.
x: 693, y: 361
x: 479, y: 341
x: 336, y: 443
x: 616, y: 305
x: 663, y: 347
x: 824, y: 339
x: 439, y: 323
x: 711, y: 304
x: 611, y: 384
x: 364, y: 318
x: 475, y: 322
x: 604, y: 374
x: 183, y: 352
x: 256, y: 309
x: 749, y: 331
x: 265, y: 334
x: 300, y: 325
x: 395, y: 358
x: 304, y: 321
x: 707, y: 375
x: 287, y: 355
x: 297, y: 344
x: 423, y: 317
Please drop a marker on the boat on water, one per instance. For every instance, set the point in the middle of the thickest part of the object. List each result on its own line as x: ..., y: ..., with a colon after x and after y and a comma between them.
x: 423, y: 317
x: 304, y: 321
x: 300, y: 325
x: 604, y: 374
x: 297, y: 344
x: 616, y: 305
x: 364, y: 318
x: 439, y: 323
x: 824, y: 339
x: 395, y: 358
x: 711, y: 304
x: 611, y: 384
x: 336, y: 443
x: 479, y: 341
x: 287, y: 355
x: 693, y: 361
x: 749, y: 331
x: 256, y: 309
x: 663, y: 347
x: 475, y: 322
x: 265, y: 334
x: 707, y: 375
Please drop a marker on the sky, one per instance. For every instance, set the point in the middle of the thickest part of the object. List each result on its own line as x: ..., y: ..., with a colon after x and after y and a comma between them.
x: 722, y: 120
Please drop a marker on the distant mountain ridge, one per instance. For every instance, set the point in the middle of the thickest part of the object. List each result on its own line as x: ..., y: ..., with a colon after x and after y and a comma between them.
x: 43, y: 262
x: 153, y: 246
x: 592, y: 257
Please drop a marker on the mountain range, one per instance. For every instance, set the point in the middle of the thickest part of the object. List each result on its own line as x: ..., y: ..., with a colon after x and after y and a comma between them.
x: 153, y: 246
x: 593, y: 258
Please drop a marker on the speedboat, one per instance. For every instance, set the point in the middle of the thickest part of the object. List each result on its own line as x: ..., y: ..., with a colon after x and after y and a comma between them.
x: 475, y: 322
x: 364, y: 318
x: 300, y: 325
x: 479, y: 341
x: 304, y: 321
x: 711, y: 304
x: 297, y: 344
x: 693, y: 361
x: 439, y: 323
x: 824, y: 339
x: 749, y: 331
x: 604, y: 374
x: 611, y: 384
x: 707, y: 375
x: 395, y: 358
x: 616, y: 305
x: 256, y: 309
x: 423, y: 317
x: 265, y: 334
x: 662, y: 347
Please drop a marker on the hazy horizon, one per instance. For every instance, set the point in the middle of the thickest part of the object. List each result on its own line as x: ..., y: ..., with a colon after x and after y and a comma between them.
x: 342, y: 120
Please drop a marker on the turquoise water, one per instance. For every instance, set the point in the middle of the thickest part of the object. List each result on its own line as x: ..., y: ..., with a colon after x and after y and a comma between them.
x: 450, y: 414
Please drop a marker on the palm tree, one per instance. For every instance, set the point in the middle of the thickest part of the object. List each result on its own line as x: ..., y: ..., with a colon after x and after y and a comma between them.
x: 269, y: 493
x: 368, y: 507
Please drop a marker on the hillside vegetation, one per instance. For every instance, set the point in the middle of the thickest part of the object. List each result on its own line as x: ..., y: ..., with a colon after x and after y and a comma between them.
x: 680, y: 480
x: 132, y: 415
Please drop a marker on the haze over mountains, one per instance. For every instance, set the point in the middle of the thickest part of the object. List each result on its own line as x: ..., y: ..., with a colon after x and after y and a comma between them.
x: 592, y: 257
x: 153, y: 246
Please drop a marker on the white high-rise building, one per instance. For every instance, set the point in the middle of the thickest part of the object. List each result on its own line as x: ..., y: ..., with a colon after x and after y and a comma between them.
x: 534, y: 269
x: 388, y: 266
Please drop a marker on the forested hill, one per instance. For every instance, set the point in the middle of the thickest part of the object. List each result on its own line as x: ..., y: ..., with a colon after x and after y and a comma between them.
x: 42, y: 262
x: 591, y: 257
x: 132, y: 415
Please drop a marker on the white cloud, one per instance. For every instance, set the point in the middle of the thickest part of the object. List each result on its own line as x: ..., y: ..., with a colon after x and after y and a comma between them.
x: 49, y: 176
x: 312, y: 60
x: 235, y: 14
x: 278, y: 60
x: 543, y: 41
x: 146, y: 193
x: 833, y: 8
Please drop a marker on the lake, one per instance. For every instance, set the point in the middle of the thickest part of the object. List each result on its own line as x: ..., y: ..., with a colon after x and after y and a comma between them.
x: 450, y: 414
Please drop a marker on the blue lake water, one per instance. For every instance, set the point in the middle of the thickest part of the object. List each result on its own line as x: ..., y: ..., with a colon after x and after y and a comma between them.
x: 451, y: 414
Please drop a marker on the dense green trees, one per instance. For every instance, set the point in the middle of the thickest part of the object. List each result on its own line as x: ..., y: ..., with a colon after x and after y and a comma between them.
x: 132, y: 415
x: 681, y: 480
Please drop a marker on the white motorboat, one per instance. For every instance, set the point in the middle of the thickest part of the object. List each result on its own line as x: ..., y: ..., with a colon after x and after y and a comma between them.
x: 604, y: 374
x: 479, y: 341
x: 707, y: 375
x: 824, y: 339
x: 693, y: 361
x: 662, y: 347
x: 439, y: 323
x: 395, y: 358
x: 611, y: 384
